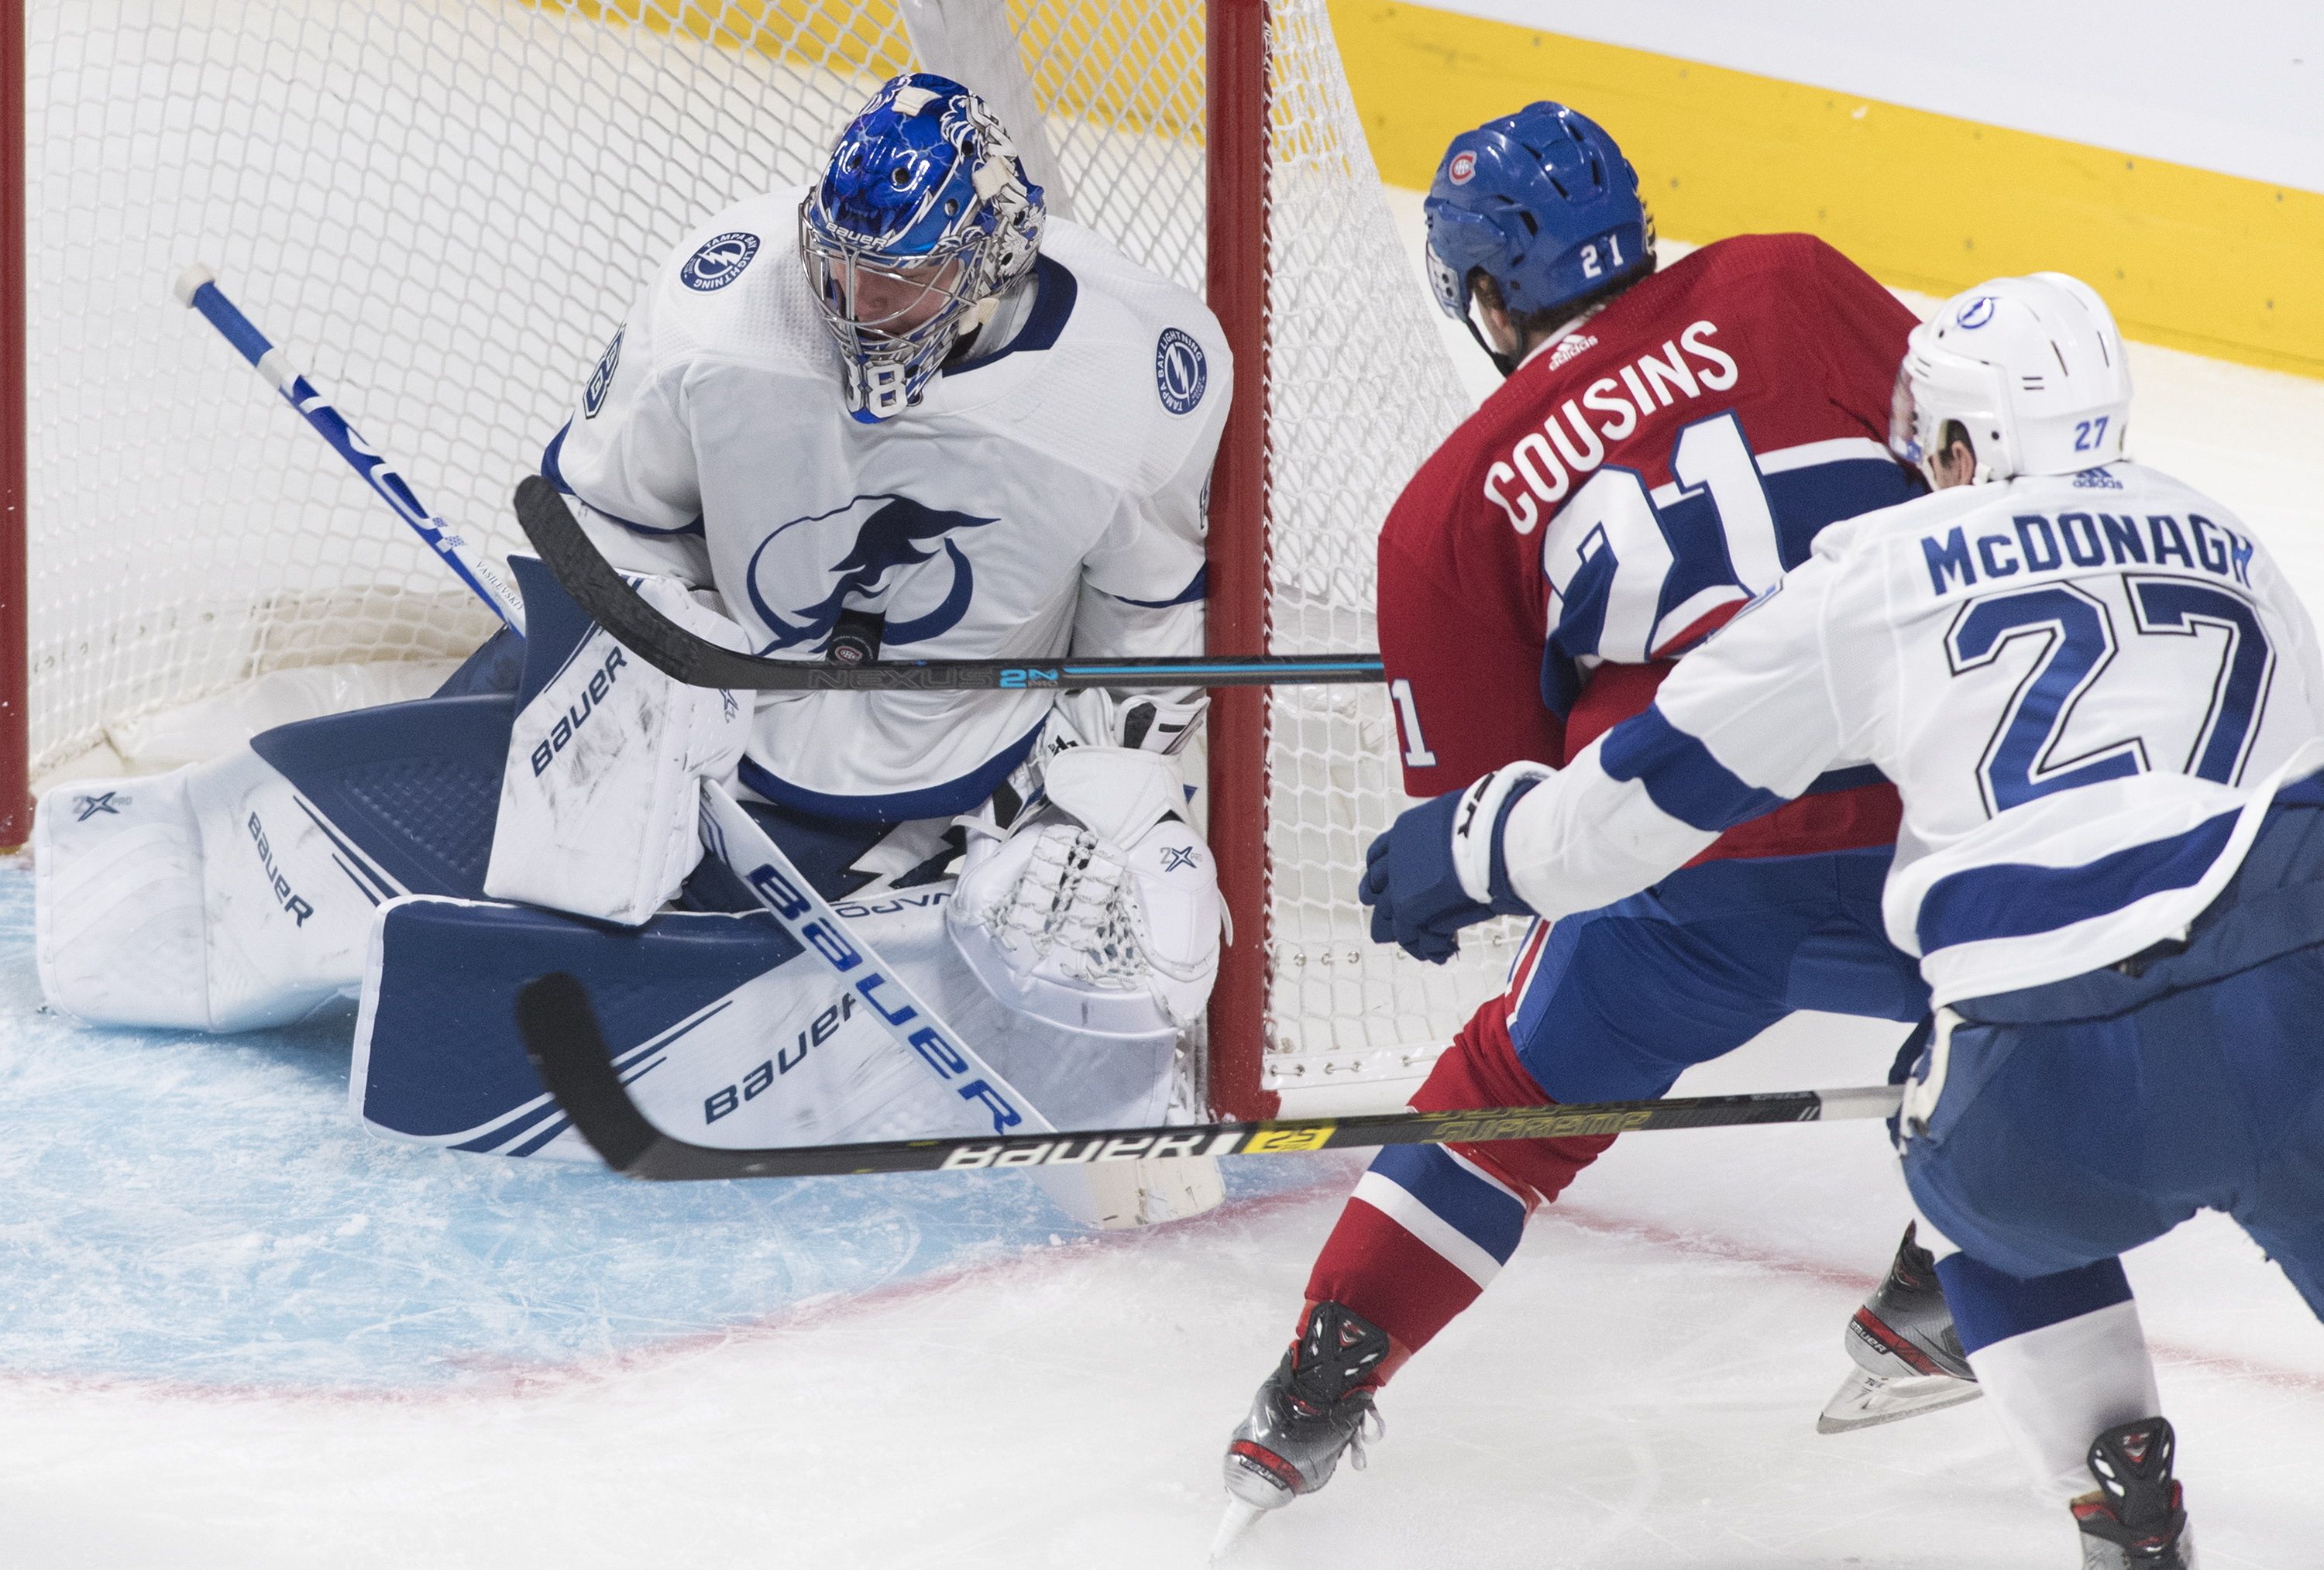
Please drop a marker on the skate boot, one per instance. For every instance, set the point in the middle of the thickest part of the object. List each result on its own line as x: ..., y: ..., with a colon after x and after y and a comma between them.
x: 1908, y: 1356
x: 2137, y: 1520
x: 1312, y: 1407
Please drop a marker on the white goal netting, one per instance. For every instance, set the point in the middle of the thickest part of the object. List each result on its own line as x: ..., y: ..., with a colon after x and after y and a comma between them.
x: 442, y: 209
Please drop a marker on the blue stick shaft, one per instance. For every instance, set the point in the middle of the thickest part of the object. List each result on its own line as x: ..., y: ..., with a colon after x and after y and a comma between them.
x: 197, y: 288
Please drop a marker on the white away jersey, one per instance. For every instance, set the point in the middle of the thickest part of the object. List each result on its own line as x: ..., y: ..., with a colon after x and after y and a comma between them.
x: 2087, y: 688
x: 1033, y: 501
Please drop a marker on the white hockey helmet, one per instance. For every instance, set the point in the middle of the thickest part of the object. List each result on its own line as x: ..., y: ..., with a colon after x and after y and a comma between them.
x: 2032, y: 369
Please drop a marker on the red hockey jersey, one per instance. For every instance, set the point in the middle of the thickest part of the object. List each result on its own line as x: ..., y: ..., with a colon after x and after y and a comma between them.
x: 1631, y: 487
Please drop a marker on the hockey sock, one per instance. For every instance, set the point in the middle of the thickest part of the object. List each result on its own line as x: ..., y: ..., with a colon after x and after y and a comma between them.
x: 2061, y: 1357
x: 1429, y: 1227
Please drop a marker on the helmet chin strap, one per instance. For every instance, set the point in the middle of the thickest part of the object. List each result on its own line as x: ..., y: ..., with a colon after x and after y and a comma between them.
x: 1507, y: 365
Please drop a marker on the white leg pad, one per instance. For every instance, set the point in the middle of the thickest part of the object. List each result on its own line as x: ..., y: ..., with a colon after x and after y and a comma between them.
x: 118, y: 902
x: 1122, y: 1194
x: 2058, y: 1388
x: 208, y: 898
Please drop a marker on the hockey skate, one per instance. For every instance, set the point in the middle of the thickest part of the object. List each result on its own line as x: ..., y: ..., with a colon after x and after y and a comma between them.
x: 1908, y: 1357
x: 2137, y: 1518
x: 1310, y: 1410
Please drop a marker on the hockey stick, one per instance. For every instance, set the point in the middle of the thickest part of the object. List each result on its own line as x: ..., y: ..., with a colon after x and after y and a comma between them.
x: 563, y: 1039
x: 729, y: 833
x: 678, y: 653
x: 197, y: 288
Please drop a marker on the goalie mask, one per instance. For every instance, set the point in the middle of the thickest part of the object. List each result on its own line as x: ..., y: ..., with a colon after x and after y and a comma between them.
x: 922, y: 219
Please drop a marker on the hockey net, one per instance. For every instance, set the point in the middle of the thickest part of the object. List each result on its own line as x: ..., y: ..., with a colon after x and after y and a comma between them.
x: 443, y: 208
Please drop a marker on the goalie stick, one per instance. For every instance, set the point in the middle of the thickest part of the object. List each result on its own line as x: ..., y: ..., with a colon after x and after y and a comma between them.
x: 759, y: 864
x: 563, y: 1039
x: 197, y: 287
x: 671, y: 650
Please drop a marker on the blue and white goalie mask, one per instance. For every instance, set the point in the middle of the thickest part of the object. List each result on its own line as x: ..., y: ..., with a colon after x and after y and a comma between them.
x: 922, y: 219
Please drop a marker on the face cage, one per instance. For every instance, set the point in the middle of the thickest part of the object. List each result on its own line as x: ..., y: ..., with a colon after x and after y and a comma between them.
x: 886, y: 373
x: 1905, y: 437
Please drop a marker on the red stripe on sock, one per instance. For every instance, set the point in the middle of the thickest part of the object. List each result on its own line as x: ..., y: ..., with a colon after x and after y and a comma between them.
x: 1391, y: 1278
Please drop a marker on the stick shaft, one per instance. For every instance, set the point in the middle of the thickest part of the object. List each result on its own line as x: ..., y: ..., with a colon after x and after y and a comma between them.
x: 599, y: 589
x: 562, y: 1037
x: 761, y: 867
x: 198, y: 288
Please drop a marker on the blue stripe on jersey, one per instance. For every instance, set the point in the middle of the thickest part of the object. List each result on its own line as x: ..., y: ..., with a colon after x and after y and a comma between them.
x: 2016, y: 899
x: 1845, y: 779
x: 1197, y: 588
x: 1486, y: 1216
x: 1680, y: 775
x: 551, y: 471
x: 963, y: 795
x: 1804, y: 500
x: 1988, y: 1306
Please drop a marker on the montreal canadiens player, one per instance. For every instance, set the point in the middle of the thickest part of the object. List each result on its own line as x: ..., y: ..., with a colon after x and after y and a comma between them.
x: 2103, y: 708
x: 1666, y: 445
x: 897, y: 413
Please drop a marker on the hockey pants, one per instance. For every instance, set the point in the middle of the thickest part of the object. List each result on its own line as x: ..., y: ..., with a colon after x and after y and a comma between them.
x: 2076, y: 1120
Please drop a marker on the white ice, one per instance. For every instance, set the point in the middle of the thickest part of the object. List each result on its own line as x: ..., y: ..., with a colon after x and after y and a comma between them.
x: 236, y: 1332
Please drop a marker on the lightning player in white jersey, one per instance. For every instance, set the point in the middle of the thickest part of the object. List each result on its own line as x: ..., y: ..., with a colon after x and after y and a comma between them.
x: 897, y: 413
x: 959, y: 430
x: 2103, y: 708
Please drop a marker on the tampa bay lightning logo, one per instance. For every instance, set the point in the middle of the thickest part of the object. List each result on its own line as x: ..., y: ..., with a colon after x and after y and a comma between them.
x: 1180, y: 372
x: 719, y: 262
x: 1975, y: 314
x: 889, y: 533
x: 601, y: 380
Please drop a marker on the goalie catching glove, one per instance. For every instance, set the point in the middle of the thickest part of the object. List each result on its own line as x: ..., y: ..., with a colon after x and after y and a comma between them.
x: 1097, y: 907
x: 600, y: 801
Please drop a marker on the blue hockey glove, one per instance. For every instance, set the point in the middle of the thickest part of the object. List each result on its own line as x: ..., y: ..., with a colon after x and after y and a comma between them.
x: 1439, y: 866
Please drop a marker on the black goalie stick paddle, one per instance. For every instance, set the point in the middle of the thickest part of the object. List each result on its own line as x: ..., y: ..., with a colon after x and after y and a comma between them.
x: 599, y: 589
x: 562, y: 1038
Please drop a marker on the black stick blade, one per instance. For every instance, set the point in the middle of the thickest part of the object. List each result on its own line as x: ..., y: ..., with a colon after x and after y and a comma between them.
x: 584, y: 572
x: 567, y: 1049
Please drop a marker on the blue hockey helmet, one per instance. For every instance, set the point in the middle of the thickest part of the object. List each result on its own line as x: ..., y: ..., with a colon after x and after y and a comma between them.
x: 1545, y: 205
x: 923, y: 216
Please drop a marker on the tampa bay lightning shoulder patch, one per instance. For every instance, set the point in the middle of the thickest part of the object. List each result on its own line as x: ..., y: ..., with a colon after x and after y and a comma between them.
x: 719, y: 262
x: 601, y: 380
x: 1181, y: 373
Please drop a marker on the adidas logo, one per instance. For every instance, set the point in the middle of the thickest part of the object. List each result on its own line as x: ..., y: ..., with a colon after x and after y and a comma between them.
x: 1567, y: 348
x: 2095, y: 480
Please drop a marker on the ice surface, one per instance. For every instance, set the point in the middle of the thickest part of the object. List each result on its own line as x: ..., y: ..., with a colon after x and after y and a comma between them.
x: 234, y: 1331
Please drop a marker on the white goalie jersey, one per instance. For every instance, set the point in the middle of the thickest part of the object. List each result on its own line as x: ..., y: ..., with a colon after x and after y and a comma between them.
x: 2086, y: 687
x: 1045, y: 496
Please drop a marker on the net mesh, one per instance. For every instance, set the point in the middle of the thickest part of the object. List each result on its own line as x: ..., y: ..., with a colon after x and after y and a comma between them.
x: 442, y: 209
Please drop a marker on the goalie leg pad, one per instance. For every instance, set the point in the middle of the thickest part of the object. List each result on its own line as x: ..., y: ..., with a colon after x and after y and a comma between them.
x: 209, y: 898
x: 728, y: 1033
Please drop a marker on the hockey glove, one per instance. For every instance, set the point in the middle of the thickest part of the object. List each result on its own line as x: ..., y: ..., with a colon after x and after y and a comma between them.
x: 1439, y: 867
